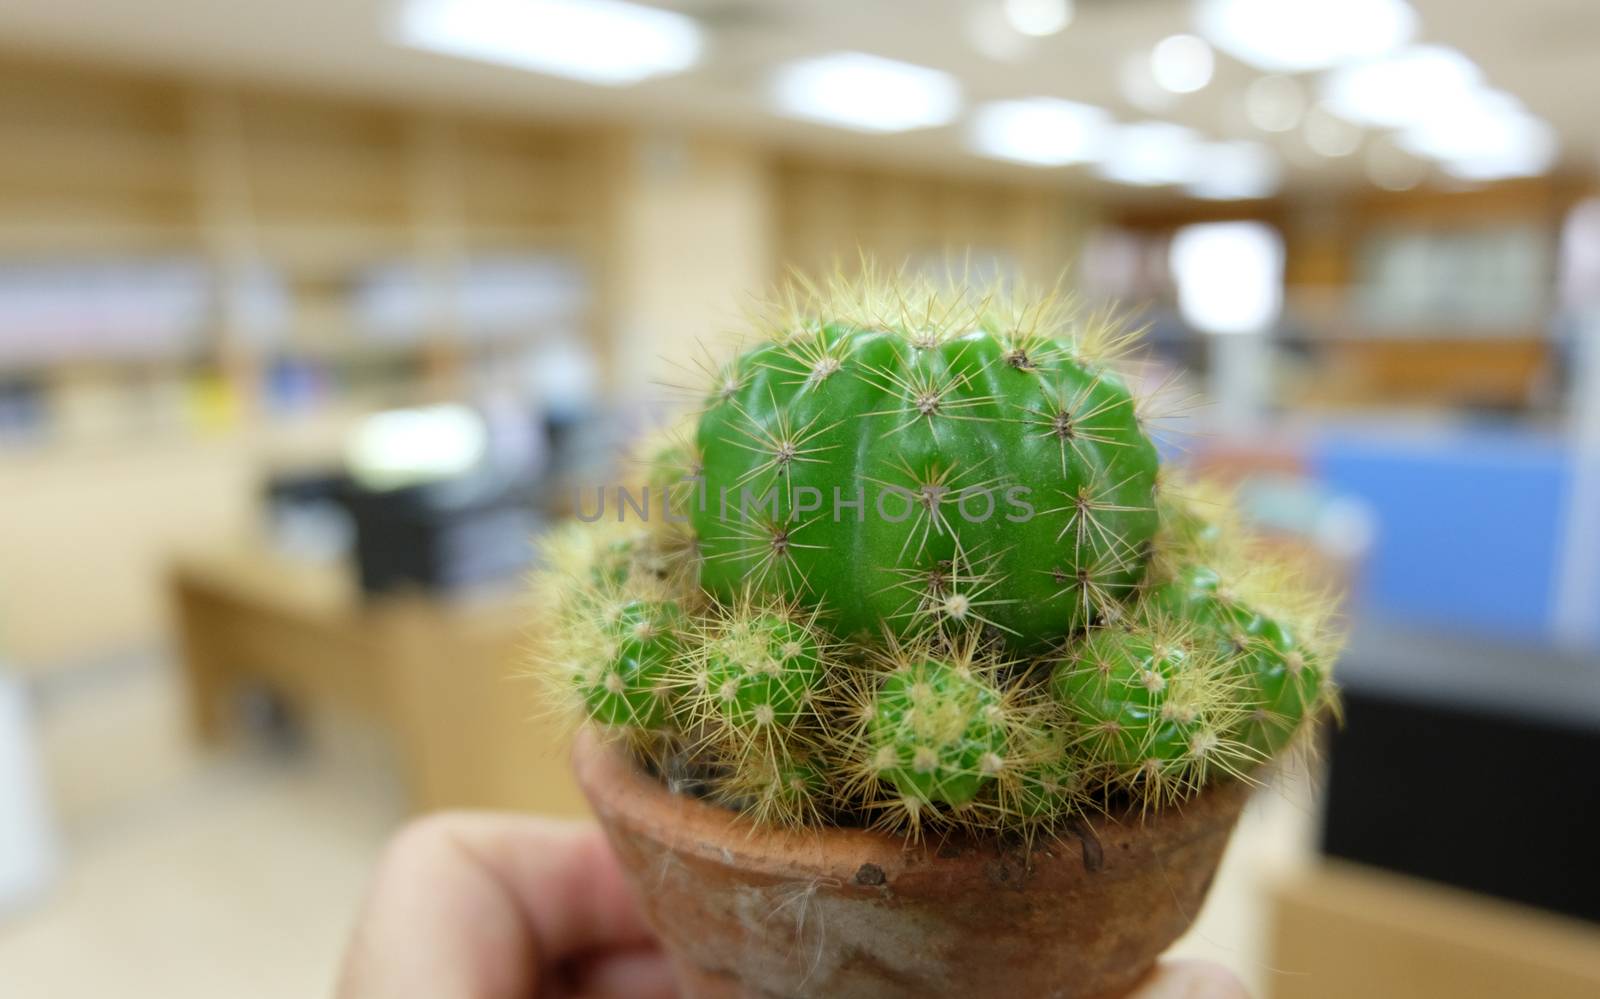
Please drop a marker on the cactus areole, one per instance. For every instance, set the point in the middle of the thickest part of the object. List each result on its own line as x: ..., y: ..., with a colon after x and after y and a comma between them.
x: 915, y: 566
x: 904, y: 477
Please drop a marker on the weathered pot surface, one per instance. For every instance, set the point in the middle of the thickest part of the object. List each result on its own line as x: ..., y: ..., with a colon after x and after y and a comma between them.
x: 751, y: 911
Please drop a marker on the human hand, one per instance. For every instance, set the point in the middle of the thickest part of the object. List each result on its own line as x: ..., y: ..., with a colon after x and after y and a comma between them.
x: 483, y: 906
x: 1190, y: 979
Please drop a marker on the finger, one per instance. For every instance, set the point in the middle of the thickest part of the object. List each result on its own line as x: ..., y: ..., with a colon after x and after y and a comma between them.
x: 563, y: 877
x: 483, y: 905
x: 638, y: 974
x: 1189, y: 979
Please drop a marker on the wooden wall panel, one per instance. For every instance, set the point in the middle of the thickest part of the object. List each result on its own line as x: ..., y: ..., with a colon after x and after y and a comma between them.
x: 830, y: 214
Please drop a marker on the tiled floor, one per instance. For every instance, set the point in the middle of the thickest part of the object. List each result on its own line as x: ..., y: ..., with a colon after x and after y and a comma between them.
x: 237, y: 876
x: 186, y: 876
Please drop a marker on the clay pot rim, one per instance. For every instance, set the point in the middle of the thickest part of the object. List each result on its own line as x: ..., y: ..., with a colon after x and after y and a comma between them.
x: 689, y: 825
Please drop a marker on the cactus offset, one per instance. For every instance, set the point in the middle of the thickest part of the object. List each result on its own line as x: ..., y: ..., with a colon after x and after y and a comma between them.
x: 1280, y: 672
x: 752, y: 677
x: 625, y: 681
x: 914, y: 566
x: 933, y: 729
x: 1150, y: 708
x: 783, y: 790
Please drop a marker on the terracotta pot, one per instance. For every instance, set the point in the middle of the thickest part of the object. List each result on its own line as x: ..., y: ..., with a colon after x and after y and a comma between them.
x: 750, y: 911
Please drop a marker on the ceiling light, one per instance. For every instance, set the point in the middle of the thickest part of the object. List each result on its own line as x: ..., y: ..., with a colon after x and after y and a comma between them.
x: 1229, y: 275
x: 1329, y: 135
x: 1295, y: 36
x: 1486, y: 137
x: 1043, y: 131
x: 1274, y: 103
x: 597, y: 41
x: 1520, y: 164
x: 1149, y: 153
x: 1524, y: 163
x: 1181, y: 64
x: 1039, y: 17
x: 866, y: 92
x: 1234, y: 171
x: 1408, y: 87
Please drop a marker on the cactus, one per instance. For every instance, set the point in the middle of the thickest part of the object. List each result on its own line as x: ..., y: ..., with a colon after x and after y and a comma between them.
x: 1050, y: 787
x: 754, y: 673
x: 618, y: 623
x: 1280, y: 674
x: 910, y: 470
x: 932, y: 728
x: 784, y: 790
x: 1150, y: 708
x: 913, y: 565
x: 623, y: 683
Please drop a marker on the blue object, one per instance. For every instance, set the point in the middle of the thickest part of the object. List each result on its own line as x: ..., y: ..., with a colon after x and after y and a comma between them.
x: 1469, y: 524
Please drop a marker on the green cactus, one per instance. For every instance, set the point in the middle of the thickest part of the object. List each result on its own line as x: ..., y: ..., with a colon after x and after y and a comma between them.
x: 1049, y: 780
x: 617, y: 626
x: 624, y: 682
x: 755, y: 672
x: 615, y: 562
x: 1126, y: 693
x: 1282, y: 682
x: 907, y: 475
x: 783, y: 790
x: 1022, y: 622
x: 936, y: 728
x: 1197, y: 521
x: 1149, y: 708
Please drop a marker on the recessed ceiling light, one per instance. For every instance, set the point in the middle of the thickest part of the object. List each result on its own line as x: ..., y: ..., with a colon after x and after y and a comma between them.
x: 1406, y: 88
x: 597, y: 41
x: 1181, y: 64
x: 1274, y: 103
x: 1038, y: 17
x: 866, y: 92
x: 1149, y: 154
x: 1489, y: 137
x: 1233, y: 171
x: 1296, y: 36
x: 1229, y: 275
x: 1042, y: 131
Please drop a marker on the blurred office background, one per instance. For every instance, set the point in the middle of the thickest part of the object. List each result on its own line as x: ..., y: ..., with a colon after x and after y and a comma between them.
x: 311, y: 314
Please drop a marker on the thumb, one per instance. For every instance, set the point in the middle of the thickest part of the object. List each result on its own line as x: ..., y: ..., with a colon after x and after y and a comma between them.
x: 1190, y: 980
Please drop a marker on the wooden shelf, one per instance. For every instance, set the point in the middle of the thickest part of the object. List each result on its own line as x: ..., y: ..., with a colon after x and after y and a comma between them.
x: 827, y: 214
x: 81, y: 160
x: 314, y: 192
x: 329, y: 249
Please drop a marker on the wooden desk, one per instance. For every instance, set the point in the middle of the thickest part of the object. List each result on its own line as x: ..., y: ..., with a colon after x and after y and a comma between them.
x: 1345, y: 930
x: 442, y: 678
